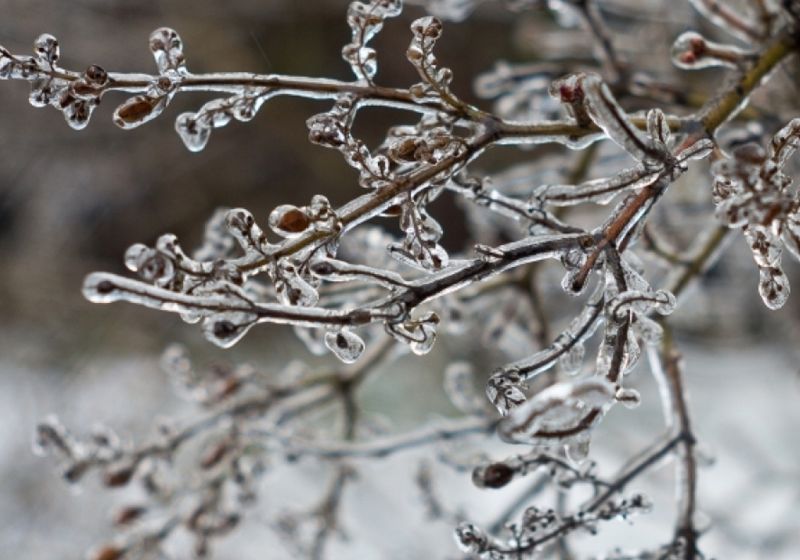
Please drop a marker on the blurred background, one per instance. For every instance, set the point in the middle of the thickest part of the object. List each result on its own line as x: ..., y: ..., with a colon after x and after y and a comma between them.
x: 72, y: 202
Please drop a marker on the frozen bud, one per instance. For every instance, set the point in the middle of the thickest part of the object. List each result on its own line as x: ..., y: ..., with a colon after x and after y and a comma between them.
x: 639, y: 503
x: 505, y: 391
x: 138, y: 110
x: 773, y: 286
x: 289, y: 221
x: 75, y: 471
x: 692, y: 51
x: 77, y: 112
x: 764, y: 245
x: 167, y: 49
x: 96, y: 75
x: 108, y: 552
x: 46, y: 49
x: 569, y: 90
x: 428, y: 27
x: 226, y: 329
x: 192, y: 131
x: 51, y: 434
x: 127, y: 515
x: 118, y: 475
x: 346, y: 345
x: 471, y: 539
x: 785, y: 142
x: 494, y: 475
x: 151, y: 265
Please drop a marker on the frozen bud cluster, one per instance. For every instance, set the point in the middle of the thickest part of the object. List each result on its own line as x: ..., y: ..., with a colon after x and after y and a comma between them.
x: 752, y: 192
x: 366, y: 20
x: 75, y: 95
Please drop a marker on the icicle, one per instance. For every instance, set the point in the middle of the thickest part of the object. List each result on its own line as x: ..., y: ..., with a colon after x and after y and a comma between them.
x: 226, y: 329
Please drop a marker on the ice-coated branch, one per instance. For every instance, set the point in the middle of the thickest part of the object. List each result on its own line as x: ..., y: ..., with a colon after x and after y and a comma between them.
x: 340, y: 280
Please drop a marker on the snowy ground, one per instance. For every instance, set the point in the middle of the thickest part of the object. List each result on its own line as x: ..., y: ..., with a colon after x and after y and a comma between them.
x: 743, y: 404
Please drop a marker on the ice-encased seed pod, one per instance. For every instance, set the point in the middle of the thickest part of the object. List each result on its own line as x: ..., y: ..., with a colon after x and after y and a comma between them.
x: 138, y: 110
x: 288, y: 220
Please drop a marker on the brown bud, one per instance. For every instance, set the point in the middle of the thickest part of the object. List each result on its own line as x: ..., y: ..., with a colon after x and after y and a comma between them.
x: 136, y: 110
x: 108, y: 552
x: 215, y: 454
x: 120, y: 476
x: 128, y: 514
x: 497, y: 475
x: 294, y: 221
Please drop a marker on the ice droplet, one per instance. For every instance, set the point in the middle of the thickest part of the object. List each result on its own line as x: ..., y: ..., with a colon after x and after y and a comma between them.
x: 78, y: 112
x: 424, y: 337
x: 226, y: 329
x: 577, y: 451
x: 504, y: 391
x: 773, y: 286
x: 133, y: 256
x: 194, y: 133
x: 346, y: 345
